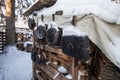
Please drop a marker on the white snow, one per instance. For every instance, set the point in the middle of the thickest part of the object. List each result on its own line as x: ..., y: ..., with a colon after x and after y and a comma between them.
x: 27, y: 42
x: 48, y: 62
x: 15, y: 65
x: 62, y: 69
x: 41, y: 23
x: 69, y: 76
x: 71, y: 30
x: 21, y: 23
x: 118, y: 21
x: 52, y: 24
x: 30, y: 1
x: 3, y: 10
x: 105, y: 9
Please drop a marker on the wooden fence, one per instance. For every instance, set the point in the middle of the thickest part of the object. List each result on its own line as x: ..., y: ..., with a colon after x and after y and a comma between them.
x: 2, y: 41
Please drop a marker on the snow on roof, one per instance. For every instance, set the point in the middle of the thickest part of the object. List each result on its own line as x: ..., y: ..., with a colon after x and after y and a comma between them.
x: 105, y: 9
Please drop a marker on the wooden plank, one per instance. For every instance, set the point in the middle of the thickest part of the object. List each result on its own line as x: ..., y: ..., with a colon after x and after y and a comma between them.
x: 48, y: 70
x: 55, y: 50
x: 48, y: 48
x: 75, y: 69
x: 52, y: 72
x: 2, y: 40
x: 54, y: 66
x: 39, y: 77
x: 40, y: 4
x: 61, y: 59
x: 74, y: 20
x: 2, y: 37
x: 34, y: 70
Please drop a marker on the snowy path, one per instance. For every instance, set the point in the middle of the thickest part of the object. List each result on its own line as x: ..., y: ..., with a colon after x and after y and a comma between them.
x: 15, y: 65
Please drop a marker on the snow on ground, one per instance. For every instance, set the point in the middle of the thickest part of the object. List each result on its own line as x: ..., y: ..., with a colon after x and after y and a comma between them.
x: 15, y: 65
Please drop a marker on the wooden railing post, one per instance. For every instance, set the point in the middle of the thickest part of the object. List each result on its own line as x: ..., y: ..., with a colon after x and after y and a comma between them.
x: 75, y: 69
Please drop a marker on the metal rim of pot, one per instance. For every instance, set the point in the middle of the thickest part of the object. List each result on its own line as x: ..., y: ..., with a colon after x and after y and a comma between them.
x: 56, y: 35
x: 31, y: 23
x: 40, y: 32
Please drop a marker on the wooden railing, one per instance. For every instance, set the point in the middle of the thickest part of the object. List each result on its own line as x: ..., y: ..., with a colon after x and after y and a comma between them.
x: 2, y: 41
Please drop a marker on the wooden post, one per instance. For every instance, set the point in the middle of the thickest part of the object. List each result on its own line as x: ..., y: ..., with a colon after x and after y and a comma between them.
x: 33, y: 63
x: 34, y: 70
x: 53, y: 17
x: 74, y: 61
x: 42, y: 18
x: 75, y: 69
x: 74, y: 21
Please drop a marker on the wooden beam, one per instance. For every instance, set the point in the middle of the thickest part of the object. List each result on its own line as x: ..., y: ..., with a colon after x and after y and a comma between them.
x: 32, y: 8
x: 75, y: 69
x: 39, y: 77
x: 34, y: 70
x: 48, y: 48
x: 74, y: 21
x: 40, y: 4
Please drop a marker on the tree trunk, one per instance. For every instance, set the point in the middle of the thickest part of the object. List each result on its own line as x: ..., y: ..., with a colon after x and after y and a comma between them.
x: 10, y: 22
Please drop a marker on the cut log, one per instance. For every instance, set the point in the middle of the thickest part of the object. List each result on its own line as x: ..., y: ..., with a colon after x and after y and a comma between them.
x: 52, y: 72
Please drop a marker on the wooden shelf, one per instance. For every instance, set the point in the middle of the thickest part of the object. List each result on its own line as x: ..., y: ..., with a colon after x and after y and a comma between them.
x: 48, y: 48
x: 57, y: 58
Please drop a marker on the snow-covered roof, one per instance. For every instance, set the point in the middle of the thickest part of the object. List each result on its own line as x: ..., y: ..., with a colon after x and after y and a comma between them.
x: 105, y: 9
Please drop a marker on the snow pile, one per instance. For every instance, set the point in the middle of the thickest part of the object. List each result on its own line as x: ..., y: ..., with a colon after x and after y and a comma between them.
x: 15, y: 65
x: 3, y: 10
x: 27, y: 42
x: 21, y: 23
x: 41, y: 24
x: 62, y: 69
x: 52, y: 24
x: 71, y: 30
x: 105, y: 9
x: 69, y: 76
